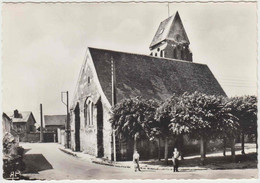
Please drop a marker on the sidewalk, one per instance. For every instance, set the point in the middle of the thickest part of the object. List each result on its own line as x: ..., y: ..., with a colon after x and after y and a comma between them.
x: 154, y: 165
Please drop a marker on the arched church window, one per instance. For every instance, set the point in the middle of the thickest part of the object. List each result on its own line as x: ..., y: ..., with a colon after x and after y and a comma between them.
x: 88, y: 112
x: 91, y: 112
x: 175, y: 53
x: 182, y: 54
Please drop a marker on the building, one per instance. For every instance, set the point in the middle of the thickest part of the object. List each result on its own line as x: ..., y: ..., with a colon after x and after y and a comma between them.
x: 7, y: 123
x: 171, y: 40
x: 106, y: 73
x: 54, y: 124
x: 23, y: 124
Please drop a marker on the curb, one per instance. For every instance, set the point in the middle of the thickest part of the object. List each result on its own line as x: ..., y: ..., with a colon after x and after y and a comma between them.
x: 109, y: 164
x: 145, y: 168
x: 126, y: 166
x: 67, y: 152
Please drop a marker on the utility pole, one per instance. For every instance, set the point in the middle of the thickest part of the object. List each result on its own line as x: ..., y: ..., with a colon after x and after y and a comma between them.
x: 168, y: 9
x: 113, y: 103
x: 68, y: 118
x: 41, y: 129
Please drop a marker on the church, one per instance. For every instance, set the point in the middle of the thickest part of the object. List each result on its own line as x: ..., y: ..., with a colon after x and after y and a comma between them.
x: 107, y: 77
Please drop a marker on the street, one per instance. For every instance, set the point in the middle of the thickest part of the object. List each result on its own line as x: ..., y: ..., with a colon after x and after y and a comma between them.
x: 45, y: 161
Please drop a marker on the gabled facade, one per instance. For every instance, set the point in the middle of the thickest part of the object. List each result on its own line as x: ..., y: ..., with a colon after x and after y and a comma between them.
x: 110, y: 76
x: 23, y: 123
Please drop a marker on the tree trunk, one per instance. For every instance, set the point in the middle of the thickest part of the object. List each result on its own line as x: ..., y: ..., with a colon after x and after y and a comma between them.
x: 159, y: 149
x: 166, y: 150
x: 256, y: 143
x: 233, y: 152
x: 135, y: 137
x: 202, y: 149
x: 205, y: 147
x: 224, y: 146
x: 181, y: 147
x: 242, y: 143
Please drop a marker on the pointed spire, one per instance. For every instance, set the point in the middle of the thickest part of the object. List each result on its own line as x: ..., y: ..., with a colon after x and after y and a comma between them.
x: 170, y: 29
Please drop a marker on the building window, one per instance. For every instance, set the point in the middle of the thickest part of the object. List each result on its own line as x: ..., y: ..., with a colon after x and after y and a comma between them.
x: 155, y: 54
x: 31, y: 128
x: 175, y: 53
x: 88, y: 112
x: 18, y: 128
x: 88, y: 79
x: 161, y: 53
x: 161, y: 31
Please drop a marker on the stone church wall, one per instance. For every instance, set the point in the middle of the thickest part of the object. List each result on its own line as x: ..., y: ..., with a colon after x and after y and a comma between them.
x: 87, y: 90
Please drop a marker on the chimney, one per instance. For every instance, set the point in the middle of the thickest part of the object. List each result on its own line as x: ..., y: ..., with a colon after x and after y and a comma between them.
x: 16, y: 113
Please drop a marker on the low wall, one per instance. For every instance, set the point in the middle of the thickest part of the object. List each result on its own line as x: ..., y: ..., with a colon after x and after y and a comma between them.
x: 33, y: 137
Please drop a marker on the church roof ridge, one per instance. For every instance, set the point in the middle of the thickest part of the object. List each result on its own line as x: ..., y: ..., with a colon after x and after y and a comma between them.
x: 164, y: 58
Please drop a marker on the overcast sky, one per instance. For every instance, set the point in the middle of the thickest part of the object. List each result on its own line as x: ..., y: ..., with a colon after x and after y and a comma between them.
x: 43, y: 45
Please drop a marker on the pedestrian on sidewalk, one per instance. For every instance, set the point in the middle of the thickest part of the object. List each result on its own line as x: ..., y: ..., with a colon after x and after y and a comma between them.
x: 136, y: 157
x: 175, y: 160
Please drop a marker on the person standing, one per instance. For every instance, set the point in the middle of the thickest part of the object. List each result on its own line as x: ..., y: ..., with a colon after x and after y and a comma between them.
x: 136, y: 157
x: 175, y: 161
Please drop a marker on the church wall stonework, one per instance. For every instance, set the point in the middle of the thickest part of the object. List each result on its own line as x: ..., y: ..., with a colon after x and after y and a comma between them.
x: 87, y: 90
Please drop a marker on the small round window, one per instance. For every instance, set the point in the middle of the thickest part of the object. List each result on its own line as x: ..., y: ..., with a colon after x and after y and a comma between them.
x: 178, y: 37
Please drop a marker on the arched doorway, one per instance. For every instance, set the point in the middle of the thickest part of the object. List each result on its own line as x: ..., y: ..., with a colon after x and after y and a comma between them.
x: 77, y: 128
x: 100, y: 145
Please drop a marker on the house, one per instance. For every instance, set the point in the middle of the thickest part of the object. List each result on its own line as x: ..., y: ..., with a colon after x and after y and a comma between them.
x: 107, y: 77
x: 55, y: 123
x: 23, y: 124
x: 7, y: 123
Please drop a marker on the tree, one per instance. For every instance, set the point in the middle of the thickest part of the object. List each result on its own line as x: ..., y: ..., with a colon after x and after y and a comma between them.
x: 245, y: 109
x: 227, y: 124
x: 133, y: 118
x: 200, y: 111
x: 163, y: 120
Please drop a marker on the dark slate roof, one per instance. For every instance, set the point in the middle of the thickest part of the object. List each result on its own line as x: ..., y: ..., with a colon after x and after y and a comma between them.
x: 24, y: 116
x: 53, y: 120
x: 170, y: 29
x: 151, y: 77
x: 4, y: 115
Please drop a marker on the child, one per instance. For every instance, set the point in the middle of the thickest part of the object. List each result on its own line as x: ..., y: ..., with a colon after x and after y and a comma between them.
x: 175, y: 160
x: 136, y: 160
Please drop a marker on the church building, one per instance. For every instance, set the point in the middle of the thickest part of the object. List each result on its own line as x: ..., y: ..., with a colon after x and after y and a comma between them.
x: 107, y: 77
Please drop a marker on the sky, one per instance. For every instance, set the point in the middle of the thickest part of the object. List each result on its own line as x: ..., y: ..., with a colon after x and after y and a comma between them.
x: 43, y: 44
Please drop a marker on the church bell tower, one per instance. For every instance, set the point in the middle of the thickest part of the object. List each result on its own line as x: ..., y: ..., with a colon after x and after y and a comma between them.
x: 171, y: 40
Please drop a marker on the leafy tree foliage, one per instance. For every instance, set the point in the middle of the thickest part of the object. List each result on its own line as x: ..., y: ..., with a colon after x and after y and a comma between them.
x: 133, y: 117
x: 245, y: 109
x: 201, y: 116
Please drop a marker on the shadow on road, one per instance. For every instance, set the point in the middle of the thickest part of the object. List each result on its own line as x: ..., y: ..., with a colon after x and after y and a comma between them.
x: 242, y: 161
x: 26, y: 150
x: 35, y: 163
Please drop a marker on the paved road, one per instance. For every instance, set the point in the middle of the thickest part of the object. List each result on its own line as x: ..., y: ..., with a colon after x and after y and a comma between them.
x: 48, y: 162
